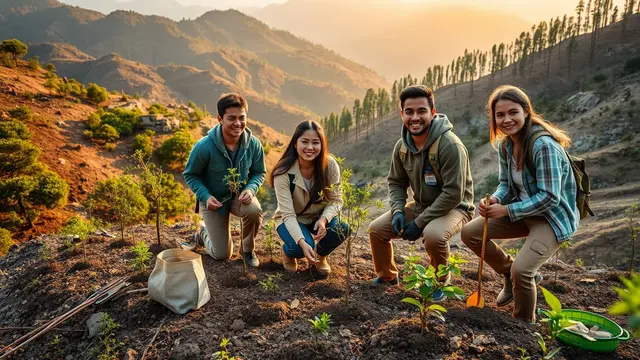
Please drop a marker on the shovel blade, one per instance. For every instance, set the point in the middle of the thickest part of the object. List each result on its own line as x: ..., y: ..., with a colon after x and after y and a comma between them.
x: 475, y: 300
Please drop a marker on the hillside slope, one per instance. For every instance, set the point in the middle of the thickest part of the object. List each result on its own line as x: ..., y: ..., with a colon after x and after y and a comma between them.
x: 597, y: 130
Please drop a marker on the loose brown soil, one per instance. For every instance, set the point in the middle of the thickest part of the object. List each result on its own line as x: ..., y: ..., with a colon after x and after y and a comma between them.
x: 375, y: 325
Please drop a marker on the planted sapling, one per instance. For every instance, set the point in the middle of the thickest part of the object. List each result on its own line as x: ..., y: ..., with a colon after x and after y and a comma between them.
x: 547, y: 353
x: 232, y: 179
x: 321, y: 325
x: 424, y: 281
x: 223, y: 354
x: 270, y: 243
x: 269, y: 284
x: 142, y: 256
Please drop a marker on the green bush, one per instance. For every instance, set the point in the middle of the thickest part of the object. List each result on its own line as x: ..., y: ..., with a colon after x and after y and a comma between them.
x: 5, y: 241
x: 124, y: 121
x: 174, y: 152
x: 14, y: 129
x: 21, y: 113
x: 94, y: 121
x: 10, y: 220
x: 97, y: 94
x: 598, y: 78
x: 34, y: 63
x: 88, y: 134
x: 50, y: 68
x: 51, y: 191
x: 107, y: 133
x: 143, y: 144
x: 111, y: 147
x: 158, y: 109
x: 632, y: 65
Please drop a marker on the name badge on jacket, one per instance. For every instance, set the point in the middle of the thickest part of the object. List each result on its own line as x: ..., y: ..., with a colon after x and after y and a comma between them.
x: 430, y: 177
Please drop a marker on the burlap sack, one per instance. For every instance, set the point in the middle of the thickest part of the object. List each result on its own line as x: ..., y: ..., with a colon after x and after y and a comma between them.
x: 178, y: 281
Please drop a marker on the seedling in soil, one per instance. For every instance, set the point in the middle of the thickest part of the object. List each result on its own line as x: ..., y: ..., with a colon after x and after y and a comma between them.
x: 77, y: 226
x: 58, y: 350
x: 108, y: 347
x: 44, y: 253
x: 321, y: 325
x: 632, y: 214
x: 356, y: 203
x: 425, y: 282
x: 579, y: 262
x: 223, y: 354
x: 270, y: 243
x: 628, y: 303
x: 557, y: 321
x: 235, y: 186
x: 142, y: 256
x: 523, y: 354
x: 269, y: 284
x: 547, y: 354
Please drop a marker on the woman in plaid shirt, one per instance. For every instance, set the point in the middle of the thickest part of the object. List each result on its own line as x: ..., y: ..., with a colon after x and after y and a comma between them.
x: 536, y: 197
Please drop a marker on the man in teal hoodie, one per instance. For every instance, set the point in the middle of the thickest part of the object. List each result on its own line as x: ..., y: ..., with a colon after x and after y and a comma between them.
x: 228, y: 145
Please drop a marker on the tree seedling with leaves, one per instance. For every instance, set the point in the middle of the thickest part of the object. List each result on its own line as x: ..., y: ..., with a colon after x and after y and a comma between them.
x: 547, y: 353
x: 554, y: 317
x: 223, y: 354
x: 142, y: 256
x: 108, y: 347
x: 270, y: 243
x: 232, y: 179
x: 356, y: 203
x: 523, y: 354
x: 269, y: 284
x: 425, y: 282
x: 629, y: 302
x: 77, y: 226
x: 321, y: 325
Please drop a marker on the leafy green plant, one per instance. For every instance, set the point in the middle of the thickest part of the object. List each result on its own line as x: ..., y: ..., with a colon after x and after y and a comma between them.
x: 523, y: 354
x: 424, y: 281
x: 554, y: 317
x: 5, y: 241
x: 97, y: 94
x: 547, y: 353
x: 142, y: 256
x: 174, y: 152
x: 579, y: 262
x: 270, y: 243
x: 22, y: 113
x: 44, y: 253
x: 235, y: 184
x: 58, y: 349
x: 77, y: 226
x: 108, y: 347
x: 321, y: 325
x: 356, y: 203
x: 269, y: 284
x: 223, y: 354
x: 632, y: 213
x: 629, y: 302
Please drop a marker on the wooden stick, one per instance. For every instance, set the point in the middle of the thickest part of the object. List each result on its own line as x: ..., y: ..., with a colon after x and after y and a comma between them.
x: 12, y: 328
x: 144, y: 354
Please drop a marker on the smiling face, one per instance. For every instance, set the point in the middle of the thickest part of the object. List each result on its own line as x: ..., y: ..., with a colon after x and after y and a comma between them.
x: 309, y: 145
x: 417, y: 115
x: 233, y: 123
x: 510, y: 117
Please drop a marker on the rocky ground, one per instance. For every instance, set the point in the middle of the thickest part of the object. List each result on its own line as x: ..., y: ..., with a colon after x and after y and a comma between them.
x: 376, y: 325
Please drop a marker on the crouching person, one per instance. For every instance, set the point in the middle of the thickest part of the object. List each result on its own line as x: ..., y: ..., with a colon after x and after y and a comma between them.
x: 306, y: 181
x: 228, y: 145
x: 535, y: 198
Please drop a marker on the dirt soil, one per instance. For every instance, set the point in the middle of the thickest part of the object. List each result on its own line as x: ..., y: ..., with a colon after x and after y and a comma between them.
x: 376, y: 325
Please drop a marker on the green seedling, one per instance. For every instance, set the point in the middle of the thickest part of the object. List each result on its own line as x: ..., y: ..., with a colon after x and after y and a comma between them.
x: 142, y: 256
x: 235, y: 186
x: 523, y: 354
x: 108, y: 347
x: 223, y: 354
x: 77, y: 226
x: 629, y: 302
x: 557, y: 321
x: 321, y: 325
x: 270, y: 243
x: 424, y: 282
x: 579, y: 262
x: 44, y: 253
x: 547, y: 353
x: 269, y: 284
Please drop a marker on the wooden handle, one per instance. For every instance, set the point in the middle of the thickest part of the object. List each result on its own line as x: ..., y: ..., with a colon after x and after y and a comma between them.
x: 487, y: 200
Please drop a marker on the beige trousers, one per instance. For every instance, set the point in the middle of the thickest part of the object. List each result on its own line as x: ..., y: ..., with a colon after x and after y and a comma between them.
x: 217, y: 234
x: 436, y: 236
x: 540, y: 245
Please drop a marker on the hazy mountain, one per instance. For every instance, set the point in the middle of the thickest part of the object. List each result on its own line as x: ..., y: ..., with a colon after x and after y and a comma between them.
x: 393, y: 38
x: 168, y: 8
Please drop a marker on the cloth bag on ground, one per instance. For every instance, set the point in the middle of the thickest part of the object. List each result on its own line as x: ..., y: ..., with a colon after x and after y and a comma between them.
x: 178, y: 281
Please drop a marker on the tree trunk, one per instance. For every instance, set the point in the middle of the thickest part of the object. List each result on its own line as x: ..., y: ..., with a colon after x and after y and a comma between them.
x: 24, y: 212
x: 122, y: 229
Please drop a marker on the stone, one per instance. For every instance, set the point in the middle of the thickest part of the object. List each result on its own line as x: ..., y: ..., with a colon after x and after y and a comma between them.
x: 62, y: 161
x: 130, y: 355
x: 583, y: 101
x: 484, y: 340
x: 186, y: 351
x: 455, y: 342
x: 476, y: 349
x: 345, y: 333
x: 237, y: 325
x: 93, y: 324
x: 374, y: 340
x: 294, y: 304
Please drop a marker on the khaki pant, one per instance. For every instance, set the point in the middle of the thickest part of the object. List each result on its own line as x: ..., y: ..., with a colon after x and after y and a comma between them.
x: 436, y: 237
x: 541, y: 244
x: 217, y: 234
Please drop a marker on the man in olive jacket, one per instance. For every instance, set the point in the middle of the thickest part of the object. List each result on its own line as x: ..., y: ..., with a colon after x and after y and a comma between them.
x: 433, y: 161
x: 228, y: 145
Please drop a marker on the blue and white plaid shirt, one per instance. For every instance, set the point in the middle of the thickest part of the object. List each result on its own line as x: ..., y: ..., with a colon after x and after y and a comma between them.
x: 552, y: 189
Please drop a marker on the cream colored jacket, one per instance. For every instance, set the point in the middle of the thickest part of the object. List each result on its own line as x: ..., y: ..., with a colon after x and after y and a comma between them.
x: 289, y: 205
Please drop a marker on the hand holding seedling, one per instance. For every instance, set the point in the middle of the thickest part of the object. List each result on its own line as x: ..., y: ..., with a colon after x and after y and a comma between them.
x: 320, y: 228
x: 245, y: 197
x: 213, y: 204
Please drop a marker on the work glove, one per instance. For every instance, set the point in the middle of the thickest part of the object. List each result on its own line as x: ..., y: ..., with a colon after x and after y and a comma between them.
x: 412, y: 231
x: 398, y: 222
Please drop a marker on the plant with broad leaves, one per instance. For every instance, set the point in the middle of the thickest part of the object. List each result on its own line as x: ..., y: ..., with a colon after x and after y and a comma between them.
x: 523, y: 354
x: 425, y: 282
x: 321, y: 325
x: 223, y: 354
x: 556, y: 319
x: 629, y: 302
x: 269, y: 284
x: 547, y: 353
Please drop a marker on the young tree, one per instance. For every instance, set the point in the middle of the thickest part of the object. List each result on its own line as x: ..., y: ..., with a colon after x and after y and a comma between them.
x: 15, y: 47
x: 346, y: 121
x: 357, y: 114
x: 97, y: 94
x: 175, y: 151
x: 143, y: 144
x: 77, y: 226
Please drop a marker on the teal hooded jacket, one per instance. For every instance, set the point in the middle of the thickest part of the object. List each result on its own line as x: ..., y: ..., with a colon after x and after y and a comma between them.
x: 209, y: 162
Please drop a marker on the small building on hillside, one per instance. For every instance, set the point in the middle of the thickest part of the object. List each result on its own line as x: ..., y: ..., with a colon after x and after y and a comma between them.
x: 159, y: 123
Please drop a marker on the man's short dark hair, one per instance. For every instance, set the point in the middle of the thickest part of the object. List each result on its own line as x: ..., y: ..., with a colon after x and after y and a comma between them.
x: 233, y: 100
x: 417, y: 91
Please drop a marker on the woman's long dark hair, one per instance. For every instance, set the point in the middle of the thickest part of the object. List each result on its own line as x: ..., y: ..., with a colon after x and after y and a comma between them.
x: 320, y: 176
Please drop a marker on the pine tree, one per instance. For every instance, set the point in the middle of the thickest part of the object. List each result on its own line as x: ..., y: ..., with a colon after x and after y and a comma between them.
x: 586, y: 27
x: 346, y: 121
x: 579, y: 11
x: 357, y: 113
x: 614, y: 16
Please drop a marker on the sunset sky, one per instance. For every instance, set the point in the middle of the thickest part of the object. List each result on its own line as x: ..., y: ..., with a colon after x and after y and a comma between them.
x: 533, y: 11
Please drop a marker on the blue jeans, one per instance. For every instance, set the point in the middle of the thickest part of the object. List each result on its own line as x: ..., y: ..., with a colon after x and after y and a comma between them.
x: 337, y: 231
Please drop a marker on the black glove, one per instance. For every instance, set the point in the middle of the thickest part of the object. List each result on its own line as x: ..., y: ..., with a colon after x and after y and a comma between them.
x: 411, y: 232
x: 398, y: 222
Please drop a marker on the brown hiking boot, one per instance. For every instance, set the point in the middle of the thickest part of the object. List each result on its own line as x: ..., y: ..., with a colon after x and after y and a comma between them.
x: 290, y: 264
x: 322, y: 266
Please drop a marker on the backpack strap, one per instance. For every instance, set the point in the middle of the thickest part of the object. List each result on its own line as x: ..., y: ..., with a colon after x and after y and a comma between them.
x: 434, y: 159
x: 529, y: 149
x: 403, y: 152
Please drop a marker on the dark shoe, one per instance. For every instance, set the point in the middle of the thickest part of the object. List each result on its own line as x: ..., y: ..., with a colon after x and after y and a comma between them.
x: 251, y: 259
x: 380, y: 281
